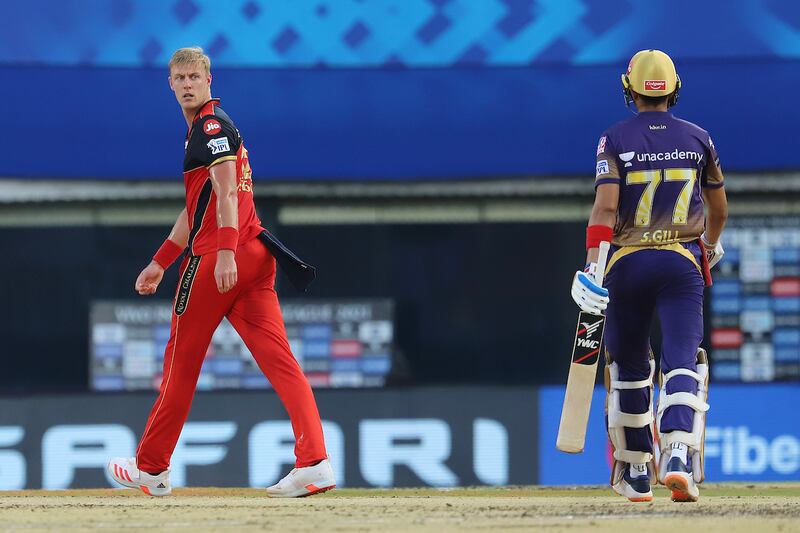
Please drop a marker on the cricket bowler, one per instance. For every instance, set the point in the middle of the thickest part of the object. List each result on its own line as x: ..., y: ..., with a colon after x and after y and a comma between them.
x: 660, y: 201
x: 228, y: 271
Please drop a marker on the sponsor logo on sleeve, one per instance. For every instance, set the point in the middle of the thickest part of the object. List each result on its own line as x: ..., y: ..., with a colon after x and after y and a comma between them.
x: 601, y: 146
x: 602, y: 168
x: 655, y: 85
x: 219, y: 145
x: 212, y: 127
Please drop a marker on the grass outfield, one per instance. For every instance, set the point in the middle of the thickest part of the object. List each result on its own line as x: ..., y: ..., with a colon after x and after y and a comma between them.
x: 724, y: 508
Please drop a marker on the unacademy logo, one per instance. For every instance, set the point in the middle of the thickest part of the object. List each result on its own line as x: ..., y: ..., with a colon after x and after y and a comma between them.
x: 627, y: 156
x: 675, y: 155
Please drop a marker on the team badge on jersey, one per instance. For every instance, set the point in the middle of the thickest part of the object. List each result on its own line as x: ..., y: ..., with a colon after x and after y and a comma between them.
x: 219, y: 145
x: 212, y: 127
x: 601, y: 146
x: 602, y: 168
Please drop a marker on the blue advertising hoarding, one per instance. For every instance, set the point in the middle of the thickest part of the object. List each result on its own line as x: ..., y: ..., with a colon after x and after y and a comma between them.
x: 386, y: 89
x: 379, y: 124
x: 752, y: 434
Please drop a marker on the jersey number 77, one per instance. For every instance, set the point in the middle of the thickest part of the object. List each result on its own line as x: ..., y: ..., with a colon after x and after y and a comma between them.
x: 652, y: 179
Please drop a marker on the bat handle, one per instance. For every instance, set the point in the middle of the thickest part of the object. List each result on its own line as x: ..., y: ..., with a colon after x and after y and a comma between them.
x: 602, y: 259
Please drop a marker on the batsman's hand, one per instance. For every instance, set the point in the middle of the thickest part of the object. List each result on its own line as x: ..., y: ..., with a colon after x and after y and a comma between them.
x: 148, y: 280
x: 225, y: 272
x: 590, y: 297
x: 713, y: 251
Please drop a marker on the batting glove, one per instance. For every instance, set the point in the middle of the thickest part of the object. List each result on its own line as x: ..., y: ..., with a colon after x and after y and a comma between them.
x: 589, y: 296
x: 714, y: 251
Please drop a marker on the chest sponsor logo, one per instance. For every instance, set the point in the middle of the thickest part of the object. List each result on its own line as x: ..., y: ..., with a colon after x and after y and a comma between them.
x: 655, y: 85
x: 219, y: 145
x: 601, y: 145
x: 627, y: 157
x: 212, y: 127
x: 675, y: 155
x: 602, y: 168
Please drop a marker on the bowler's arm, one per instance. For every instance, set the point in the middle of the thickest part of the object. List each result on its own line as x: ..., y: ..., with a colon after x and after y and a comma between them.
x: 153, y: 273
x: 223, y: 180
x: 180, y: 230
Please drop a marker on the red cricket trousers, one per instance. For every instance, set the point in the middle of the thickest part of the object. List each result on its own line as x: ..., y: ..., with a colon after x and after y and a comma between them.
x: 252, y: 308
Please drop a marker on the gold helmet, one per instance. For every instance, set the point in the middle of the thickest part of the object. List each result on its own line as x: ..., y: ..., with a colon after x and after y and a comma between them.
x: 651, y: 73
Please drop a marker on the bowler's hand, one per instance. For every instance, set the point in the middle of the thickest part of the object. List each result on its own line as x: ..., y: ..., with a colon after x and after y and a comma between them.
x: 225, y: 272
x: 148, y: 280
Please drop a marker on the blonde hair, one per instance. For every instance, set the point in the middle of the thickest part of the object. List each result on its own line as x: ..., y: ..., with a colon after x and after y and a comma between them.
x: 188, y: 56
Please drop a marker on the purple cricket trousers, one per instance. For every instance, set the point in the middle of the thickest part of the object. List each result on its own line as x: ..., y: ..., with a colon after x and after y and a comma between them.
x: 641, y: 285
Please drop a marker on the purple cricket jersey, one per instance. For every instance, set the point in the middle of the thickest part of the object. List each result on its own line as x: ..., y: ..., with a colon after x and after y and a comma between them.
x: 661, y: 164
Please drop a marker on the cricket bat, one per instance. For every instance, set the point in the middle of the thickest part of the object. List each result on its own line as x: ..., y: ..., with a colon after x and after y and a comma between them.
x: 582, y: 372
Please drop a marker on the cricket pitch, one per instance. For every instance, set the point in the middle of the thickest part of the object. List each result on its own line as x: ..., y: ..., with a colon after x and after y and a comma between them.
x: 725, y: 508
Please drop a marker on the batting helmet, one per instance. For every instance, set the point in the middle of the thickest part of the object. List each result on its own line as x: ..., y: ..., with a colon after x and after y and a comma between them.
x: 651, y: 73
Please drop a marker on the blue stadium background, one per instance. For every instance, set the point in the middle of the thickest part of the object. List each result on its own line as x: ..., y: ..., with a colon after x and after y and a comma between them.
x: 380, y: 89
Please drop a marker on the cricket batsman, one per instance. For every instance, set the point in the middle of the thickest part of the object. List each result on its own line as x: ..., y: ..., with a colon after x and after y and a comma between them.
x: 660, y: 202
x: 228, y: 271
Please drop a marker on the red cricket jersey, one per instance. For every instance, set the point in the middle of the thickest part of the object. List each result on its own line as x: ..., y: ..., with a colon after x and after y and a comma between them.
x: 213, y: 139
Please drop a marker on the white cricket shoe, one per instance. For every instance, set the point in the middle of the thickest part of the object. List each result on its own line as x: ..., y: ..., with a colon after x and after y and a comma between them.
x: 635, y: 483
x: 124, y: 471
x: 680, y: 481
x: 304, y: 481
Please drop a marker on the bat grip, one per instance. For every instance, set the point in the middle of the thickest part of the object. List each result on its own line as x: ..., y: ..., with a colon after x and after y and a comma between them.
x: 602, y: 259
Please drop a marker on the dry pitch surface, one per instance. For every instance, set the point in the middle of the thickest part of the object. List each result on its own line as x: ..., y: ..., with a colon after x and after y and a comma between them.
x: 722, y: 508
